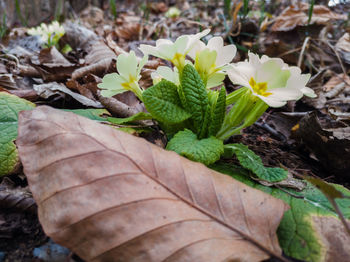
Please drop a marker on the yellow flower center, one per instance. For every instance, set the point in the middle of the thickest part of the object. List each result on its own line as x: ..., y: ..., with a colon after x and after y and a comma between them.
x: 178, y: 60
x: 259, y: 88
x: 177, y: 57
x: 128, y: 85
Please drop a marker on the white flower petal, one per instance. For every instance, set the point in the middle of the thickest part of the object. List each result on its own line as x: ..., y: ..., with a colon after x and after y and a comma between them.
x: 111, y: 84
x: 166, y: 51
x: 241, y: 73
x: 168, y: 74
x: 272, y: 102
x: 110, y: 93
x: 127, y: 65
x: 163, y: 41
x: 307, y: 91
x: 254, y: 59
x: 197, y: 47
x: 215, y: 80
x: 225, y: 55
x: 148, y: 50
x: 215, y: 43
x: 272, y: 73
x: 285, y: 94
x: 141, y: 65
x: 181, y: 44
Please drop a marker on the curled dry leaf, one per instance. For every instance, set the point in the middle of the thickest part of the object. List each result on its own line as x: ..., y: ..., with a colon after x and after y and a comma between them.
x: 110, y: 196
x: 78, y: 36
x: 297, y: 15
x: 331, y: 146
x: 51, y: 56
x: 343, y: 46
x: 16, y: 198
x: 336, y: 80
x: 53, y: 88
x: 128, y: 27
x: 99, y: 61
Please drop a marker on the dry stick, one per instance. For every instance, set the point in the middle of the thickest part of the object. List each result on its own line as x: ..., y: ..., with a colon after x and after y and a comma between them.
x: 340, y: 214
x: 233, y: 25
x: 290, y: 52
x: 303, y: 51
x: 116, y: 107
x: 339, y: 59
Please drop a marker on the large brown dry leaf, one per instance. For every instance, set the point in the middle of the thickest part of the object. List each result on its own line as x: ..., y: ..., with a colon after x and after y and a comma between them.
x: 109, y: 196
x: 297, y: 15
x: 343, y: 46
x: 330, y: 146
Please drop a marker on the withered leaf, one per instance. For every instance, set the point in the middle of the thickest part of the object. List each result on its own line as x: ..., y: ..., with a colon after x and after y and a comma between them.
x: 109, y: 196
x: 297, y: 15
x: 330, y: 146
x: 16, y: 198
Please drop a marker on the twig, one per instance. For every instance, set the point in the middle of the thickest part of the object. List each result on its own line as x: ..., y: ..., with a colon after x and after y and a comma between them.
x: 272, y: 131
x: 303, y: 51
x: 290, y: 52
x: 338, y: 57
x: 116, y: 107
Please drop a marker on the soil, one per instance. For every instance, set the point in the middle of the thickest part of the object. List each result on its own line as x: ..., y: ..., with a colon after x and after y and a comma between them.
x: 20, y: 233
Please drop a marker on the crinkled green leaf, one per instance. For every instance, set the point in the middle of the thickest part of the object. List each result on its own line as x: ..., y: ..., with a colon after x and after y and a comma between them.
x: 218, y: 113
x: 10, y: 105
x: 163, y: 102
x: 249, y: 160
x: 299, y: 233
x: 206, y: 151
x: 196, y: 99
x: 137, y: 117
x: 93, y: 114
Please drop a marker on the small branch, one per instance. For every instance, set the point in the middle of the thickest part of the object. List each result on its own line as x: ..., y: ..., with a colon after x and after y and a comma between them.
x: 116, y: 107
x: 303, y: 51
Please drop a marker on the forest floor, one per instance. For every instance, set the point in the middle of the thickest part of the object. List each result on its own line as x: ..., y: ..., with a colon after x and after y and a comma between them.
x: 289, y: 137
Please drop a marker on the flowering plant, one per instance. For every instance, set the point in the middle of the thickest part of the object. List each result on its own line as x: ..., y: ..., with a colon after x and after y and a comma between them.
x: 195, y: 116
x: 50, y: 34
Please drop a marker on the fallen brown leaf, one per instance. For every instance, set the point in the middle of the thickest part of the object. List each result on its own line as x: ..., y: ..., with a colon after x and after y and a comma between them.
x: 335, y: 80
x: 330, y: 146
x: 343, y: 46
x: 51, y: 56
x: 297, y: 15
x: 109, y: 196
x: 128, y: 27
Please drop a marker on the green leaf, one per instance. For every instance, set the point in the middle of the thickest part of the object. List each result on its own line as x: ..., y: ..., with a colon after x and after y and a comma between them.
x: 300, y: 233
x: 137, y: 117
x: 163, y: 102
x: 196, y: 99
x: 249, y: 160
x: 218, y: 113
x: 206, y: 151
x: 10, y: 106
x: 93, y: 114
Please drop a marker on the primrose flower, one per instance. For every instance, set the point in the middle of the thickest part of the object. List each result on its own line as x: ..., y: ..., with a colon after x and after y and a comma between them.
x: 49, y: 34
x: 166, y: 73
x: 127, y: 78
x: 173, y: 12
x: 271, y: 79
x: 174, y: 51
x: 56, y: 28
x: 211, y: 60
